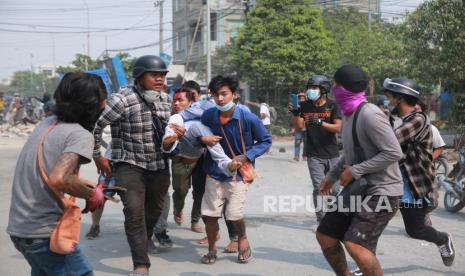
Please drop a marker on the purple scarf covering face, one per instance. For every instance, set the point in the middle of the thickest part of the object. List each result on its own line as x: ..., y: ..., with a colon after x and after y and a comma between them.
x: 346, y: 100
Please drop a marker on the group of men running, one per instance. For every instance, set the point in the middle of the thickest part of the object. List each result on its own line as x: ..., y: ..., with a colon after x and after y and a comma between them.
x: 212, y: 145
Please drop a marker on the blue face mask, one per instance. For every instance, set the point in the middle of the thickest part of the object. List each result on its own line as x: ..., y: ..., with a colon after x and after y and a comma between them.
x: 313, y: 94
x: 225, y: 107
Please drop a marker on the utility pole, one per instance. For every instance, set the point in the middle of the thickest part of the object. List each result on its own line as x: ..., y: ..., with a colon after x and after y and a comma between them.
x: 32, y: 72
x: 53, y: 54
x: 159, y: 4
x: 209, y: 61
x: 369, y: 15
x: 88, y: 28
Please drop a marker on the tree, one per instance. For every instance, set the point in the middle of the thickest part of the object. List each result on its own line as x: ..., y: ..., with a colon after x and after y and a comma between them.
x: 378, y: 51
x: 28, y: 83
x: 282, y: 43
x: 222, y: 63
x: 81, y: 62
x: 435, y: 41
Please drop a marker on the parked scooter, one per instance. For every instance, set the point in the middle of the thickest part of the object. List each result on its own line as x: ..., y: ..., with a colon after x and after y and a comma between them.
x: 454, y: 197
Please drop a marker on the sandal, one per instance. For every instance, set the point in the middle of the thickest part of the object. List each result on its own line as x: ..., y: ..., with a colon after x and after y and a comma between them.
x: 240, y: 257
x: 209, y: 258
x: 230, y: 248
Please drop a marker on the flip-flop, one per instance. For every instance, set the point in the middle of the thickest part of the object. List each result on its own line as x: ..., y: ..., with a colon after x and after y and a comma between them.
x: 240, y: 256
x: 209, y: 258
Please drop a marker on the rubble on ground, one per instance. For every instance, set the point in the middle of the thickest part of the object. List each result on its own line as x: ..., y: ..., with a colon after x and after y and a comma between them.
x: 10, y: 131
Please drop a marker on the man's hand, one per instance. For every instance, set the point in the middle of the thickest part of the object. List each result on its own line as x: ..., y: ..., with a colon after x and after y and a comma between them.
x: 346, y: 176
x: 96, y: 201
x: 315, y: 121
x: 103, y: 166
x: 326, y: 187
x: 170, y: 139
x: 210, y: 140
x: 234, y: 165
x: 240, y: 158
x: 179, y: 130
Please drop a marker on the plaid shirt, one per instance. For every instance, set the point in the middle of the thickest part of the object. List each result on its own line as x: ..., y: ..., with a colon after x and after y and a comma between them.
x: 132, y: 129
x: 416, y: 139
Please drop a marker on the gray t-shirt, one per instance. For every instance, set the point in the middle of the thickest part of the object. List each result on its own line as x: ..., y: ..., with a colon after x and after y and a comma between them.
x: 34, y: 209
x: 381, y: 148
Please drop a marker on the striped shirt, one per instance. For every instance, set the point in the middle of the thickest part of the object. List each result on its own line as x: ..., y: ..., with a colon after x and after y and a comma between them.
x: 132, y: 128
x: 416, y: 139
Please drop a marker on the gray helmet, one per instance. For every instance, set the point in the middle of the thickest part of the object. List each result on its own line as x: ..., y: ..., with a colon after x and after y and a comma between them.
x: 320, y: 81
x: 148, y: 63
x: 402, y: 86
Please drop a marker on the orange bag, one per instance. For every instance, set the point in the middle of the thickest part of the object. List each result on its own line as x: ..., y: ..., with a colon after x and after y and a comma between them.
x: 65, y: 236
x: 247, y: 171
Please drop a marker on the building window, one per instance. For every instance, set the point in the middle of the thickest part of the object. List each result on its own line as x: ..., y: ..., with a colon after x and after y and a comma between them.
x: 213, y: 26
x: 198, y: 37
x: 180, y: 44
x: 178, y: 5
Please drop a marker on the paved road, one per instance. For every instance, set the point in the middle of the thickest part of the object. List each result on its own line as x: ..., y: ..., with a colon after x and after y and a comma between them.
x: 283, y: 243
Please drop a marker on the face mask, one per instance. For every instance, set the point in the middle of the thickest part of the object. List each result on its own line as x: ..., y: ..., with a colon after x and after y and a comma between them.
x: 151, y: 96
x: 347, y: 100
x: 313, y: 94
x: 386, y: 103
x: 225, y: 107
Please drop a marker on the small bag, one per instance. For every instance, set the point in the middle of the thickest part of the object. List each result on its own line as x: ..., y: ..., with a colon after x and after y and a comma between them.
x: 356, y: 187
x: 247, y: 171
x: 65, y: 236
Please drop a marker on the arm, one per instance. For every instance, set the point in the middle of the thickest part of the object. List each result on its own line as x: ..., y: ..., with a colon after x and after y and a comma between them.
x: 112, y: 113
x: 335, y: 172
x: 408, y: 130
x: 252, y: 103
x: 65, y: 179
x: 378, y: 131
x: 261, y: 137
x: 437, y: 152
x: 335, y: 127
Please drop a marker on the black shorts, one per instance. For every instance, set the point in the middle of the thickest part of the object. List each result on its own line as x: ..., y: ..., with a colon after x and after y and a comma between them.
x: 363, y: 228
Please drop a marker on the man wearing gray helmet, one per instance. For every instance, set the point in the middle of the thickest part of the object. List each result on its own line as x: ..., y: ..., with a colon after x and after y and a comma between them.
x: 416, y: 139
x: 322, y: 120
x: 138, y: 116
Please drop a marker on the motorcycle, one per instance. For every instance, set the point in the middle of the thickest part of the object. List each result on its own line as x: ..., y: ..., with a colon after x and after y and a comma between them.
x: 454, y: 197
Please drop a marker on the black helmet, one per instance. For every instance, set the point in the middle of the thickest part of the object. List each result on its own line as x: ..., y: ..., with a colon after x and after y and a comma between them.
x: 148, y: 63
x: 321, y: 81
x: 402, y: 86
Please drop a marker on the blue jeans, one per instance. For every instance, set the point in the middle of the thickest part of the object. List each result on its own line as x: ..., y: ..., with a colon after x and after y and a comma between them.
x: 45, y: 262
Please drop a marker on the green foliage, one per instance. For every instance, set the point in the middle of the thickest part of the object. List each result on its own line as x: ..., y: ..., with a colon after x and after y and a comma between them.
x: 28, y: 83
x: 222, y: 63
x: 435, y: 40
x: 378, y: 51
x: 282, y: 43
x: 83, y: 62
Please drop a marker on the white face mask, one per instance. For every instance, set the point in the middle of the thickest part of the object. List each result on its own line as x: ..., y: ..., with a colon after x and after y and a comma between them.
x: 225, y: 107
x: 151, y: 96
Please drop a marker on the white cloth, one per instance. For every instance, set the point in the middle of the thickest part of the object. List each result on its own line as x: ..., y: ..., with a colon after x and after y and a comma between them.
x: 266, y: 111
x: 438, y: 142
x: 191, y: 148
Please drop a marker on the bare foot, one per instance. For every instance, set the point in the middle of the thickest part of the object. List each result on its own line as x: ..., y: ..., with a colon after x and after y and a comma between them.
x: 205, y: 240
x: 232, y: 247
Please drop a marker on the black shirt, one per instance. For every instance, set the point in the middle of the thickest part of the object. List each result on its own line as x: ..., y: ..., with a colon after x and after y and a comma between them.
x: 320, y: 142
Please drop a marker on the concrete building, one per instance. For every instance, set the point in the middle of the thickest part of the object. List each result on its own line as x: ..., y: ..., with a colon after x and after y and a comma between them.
x: 226, y: 18
x: 48, y: 70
